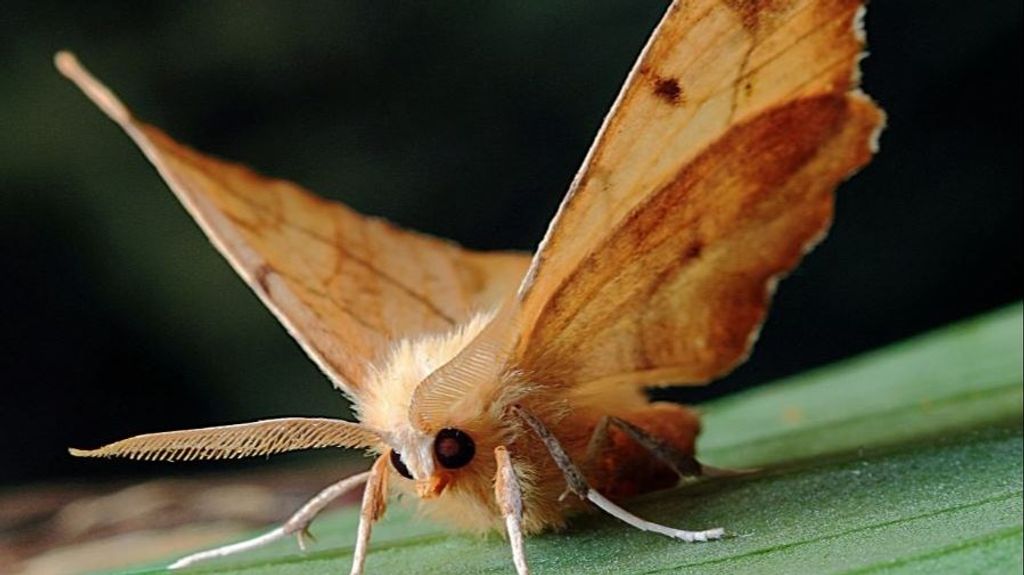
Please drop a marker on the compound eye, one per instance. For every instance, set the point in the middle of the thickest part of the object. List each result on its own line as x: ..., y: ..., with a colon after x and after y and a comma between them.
x: 453, y: 448
x: 396, y: 462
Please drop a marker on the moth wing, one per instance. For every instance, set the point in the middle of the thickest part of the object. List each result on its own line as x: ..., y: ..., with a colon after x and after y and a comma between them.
x: 710, y: 178
x: 343, y: 284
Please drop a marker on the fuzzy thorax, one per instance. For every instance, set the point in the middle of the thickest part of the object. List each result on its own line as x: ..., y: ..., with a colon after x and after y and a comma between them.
x: 383, y: 403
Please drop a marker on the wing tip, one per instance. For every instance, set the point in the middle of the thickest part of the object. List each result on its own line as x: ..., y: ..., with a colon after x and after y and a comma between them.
x: 68, y: 65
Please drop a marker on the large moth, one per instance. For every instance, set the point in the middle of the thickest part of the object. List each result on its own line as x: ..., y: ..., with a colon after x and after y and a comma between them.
x: 489, y: 385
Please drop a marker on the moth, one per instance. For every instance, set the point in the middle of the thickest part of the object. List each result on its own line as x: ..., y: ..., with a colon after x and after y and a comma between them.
x: 505, y: 391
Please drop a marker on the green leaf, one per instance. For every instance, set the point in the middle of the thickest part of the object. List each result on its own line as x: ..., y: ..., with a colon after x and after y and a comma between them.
x: 903, y: 460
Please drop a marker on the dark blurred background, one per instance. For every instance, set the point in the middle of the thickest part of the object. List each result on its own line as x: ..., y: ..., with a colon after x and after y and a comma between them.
x: 466, y: 120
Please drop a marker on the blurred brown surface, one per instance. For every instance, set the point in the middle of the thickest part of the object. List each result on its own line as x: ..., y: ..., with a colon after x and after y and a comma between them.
x: 62, y: 529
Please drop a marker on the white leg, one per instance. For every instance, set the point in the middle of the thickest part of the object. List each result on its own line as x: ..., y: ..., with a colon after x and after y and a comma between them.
x: 248, y: 544
x: 510, y: 500
x: 577, y: 484
x: 644, y: 525
x: 374, y: 505
x: 297, y: 524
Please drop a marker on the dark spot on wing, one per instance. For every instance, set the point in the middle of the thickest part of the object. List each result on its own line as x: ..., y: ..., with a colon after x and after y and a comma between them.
x: 694, y: 250
x: 668, y: 89
x: 259, y: 275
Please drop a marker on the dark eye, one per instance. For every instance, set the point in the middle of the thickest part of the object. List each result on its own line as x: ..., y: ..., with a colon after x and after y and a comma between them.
x: 396, y: 462
x: 453, y: 448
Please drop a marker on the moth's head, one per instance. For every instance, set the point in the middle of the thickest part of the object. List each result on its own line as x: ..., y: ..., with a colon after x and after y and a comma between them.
x: 432, y: 461
x: 434, y: 404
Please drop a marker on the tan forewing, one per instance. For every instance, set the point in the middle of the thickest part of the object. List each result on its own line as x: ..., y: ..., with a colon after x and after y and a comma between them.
x: 649, y: 275
x: 345, y: 285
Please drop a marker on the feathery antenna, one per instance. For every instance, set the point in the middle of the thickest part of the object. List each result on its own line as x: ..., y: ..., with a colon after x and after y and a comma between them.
x: 265, y: 437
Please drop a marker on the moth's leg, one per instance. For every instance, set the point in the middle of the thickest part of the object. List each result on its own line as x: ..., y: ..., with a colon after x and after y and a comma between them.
x: 685, y: 464
x: 598, y: 440
x: 682, y: 463
x: 578, y: 485
x: 373, y: 507
x: 297, y: 524
x: 510, y: 501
